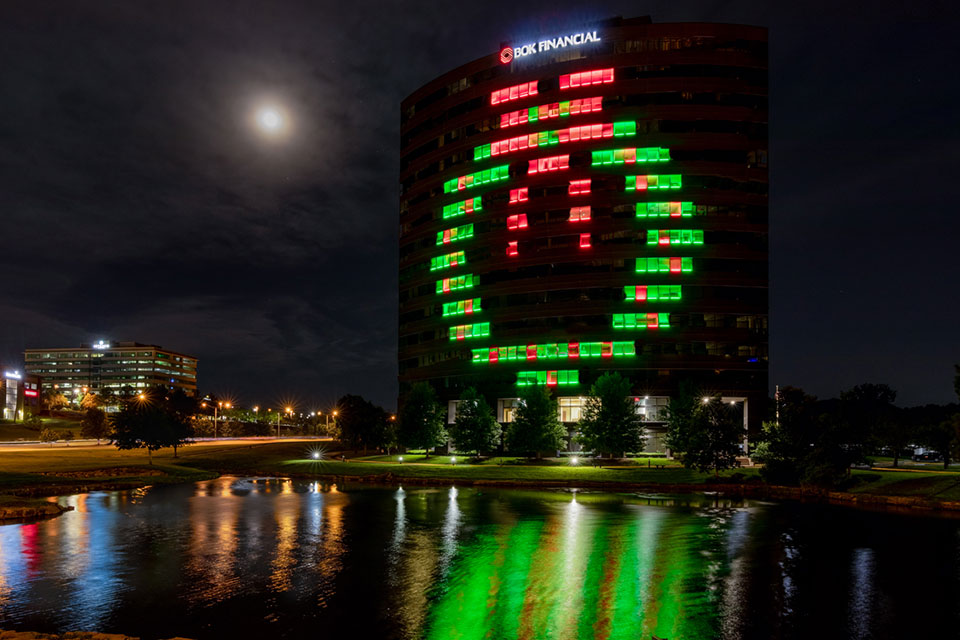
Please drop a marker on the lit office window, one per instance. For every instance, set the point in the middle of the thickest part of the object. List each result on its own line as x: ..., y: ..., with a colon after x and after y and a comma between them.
x: 665, y: 237
x: 586, y: 78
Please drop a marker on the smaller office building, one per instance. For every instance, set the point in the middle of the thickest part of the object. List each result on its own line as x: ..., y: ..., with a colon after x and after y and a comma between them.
x: 119, y: 367
x: 19, y: 394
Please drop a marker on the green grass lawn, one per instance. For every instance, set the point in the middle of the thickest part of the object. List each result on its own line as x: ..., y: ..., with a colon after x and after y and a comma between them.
x: 65, y: 467
x: 13, y: 431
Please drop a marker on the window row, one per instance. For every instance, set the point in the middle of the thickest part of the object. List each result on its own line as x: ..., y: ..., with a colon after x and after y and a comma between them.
x: 455, y: 259
x: 552, y: 163
x: 462, y: 232
x: 550, y: 111
x: 586, y: 78
x: 641, y: 321
x: 648, y: 292
x: 558, y: 136
x: 462, y: 208
x: 515, y: 92
x: 579, y: 214
x: 461, y: 307
x: 664, y: 265
x: 562, y: 377
x: 664, y: 209
x: 629, y: 156
x: 466, y: 331
x: 644, y: 183
x: 674, y: 236
x: 494, y: 174
x: 554, y: 350
x: 457, y: 282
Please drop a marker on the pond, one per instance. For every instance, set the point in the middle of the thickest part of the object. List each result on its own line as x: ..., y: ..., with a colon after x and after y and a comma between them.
x: 274, y: 558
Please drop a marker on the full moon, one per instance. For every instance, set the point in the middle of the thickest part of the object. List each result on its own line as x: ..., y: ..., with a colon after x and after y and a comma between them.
x: 269, y: 119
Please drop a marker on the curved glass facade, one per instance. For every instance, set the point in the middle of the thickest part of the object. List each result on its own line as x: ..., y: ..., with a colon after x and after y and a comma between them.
x: 656, y: 253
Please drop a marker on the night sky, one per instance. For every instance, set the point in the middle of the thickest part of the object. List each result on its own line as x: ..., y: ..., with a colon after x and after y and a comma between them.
x: 139, y: 202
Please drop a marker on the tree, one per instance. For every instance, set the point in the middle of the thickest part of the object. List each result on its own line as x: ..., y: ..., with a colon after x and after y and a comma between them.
x: 48, y: 435
x: 421, y: 419
x: 90, y: 400
x: 712, y: 439
x: 870, y: 416
x: 54, y: 400
x: 475, y: 428
x: 680, y: 413
x: 805, y: 445
x: 944, y: 438
x: 362, y: 424
x: 535, y: 427
x: 610, y: 422
x: 151, y: 426
x: 67, y: 436
x: 95, y: 424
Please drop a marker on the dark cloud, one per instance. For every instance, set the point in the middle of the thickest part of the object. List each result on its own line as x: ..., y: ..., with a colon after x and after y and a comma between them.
x: 137, y: 202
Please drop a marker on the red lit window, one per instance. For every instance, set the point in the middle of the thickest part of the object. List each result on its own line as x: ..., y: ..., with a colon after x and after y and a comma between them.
x: 514, y: 93
x: 586, y: 132
x: 641, y: 294
x: 512, y: 248
x: 518, y: 221
x: 579, y: 187
x: 553, y: 163
x: 676, y: 265
x: 585, y: 78
x: 573, y: 349
x: 606, y: 349
x: 578, y: 214
x: 518, y: 195
x: 584, y: 240
x: 551, y: 378
x: 531, y: 352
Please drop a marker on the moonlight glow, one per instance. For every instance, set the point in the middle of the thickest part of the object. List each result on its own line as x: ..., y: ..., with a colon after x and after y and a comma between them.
x: 270, y: 120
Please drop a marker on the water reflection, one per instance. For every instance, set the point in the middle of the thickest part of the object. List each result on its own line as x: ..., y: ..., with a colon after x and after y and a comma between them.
x: 276, y: 558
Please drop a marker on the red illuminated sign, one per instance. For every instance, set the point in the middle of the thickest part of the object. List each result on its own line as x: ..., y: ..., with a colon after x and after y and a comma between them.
x: 29, y: 393
x: 506, y: 55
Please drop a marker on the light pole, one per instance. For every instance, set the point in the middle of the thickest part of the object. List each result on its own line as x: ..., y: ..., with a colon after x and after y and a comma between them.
x: 334, y: 421
x: 216, y: 407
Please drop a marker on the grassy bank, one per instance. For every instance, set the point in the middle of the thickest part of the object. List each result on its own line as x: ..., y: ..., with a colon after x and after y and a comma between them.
x: 61, y: 470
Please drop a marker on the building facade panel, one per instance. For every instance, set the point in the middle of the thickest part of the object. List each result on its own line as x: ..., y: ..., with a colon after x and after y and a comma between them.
x: 116, y: 367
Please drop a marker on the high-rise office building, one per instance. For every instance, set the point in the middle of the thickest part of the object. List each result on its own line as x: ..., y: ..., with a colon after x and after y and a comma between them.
x: 121, y: 366
x: 590, y: 201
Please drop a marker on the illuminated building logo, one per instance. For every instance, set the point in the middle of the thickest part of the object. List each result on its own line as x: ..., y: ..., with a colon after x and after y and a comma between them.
x: 101, y: 345
x: 507, y: 54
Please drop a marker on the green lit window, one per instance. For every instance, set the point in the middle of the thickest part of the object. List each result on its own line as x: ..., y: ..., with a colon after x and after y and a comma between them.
x: 455, y: 259
x: 466, y: 331
x: 643, y: 293
x: 455, y: 234
x: 555, y: 351
x: 487, y: 176
x: 630, y: 155
x: 641, y: 321
x: 664, y: 237
x: 664, y: 209
x: 461, y: 307
x: 562, y: 377
x: 664, y: 265
x: 462, y: 208
x: 661, y: 182
x: 456, y: 283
